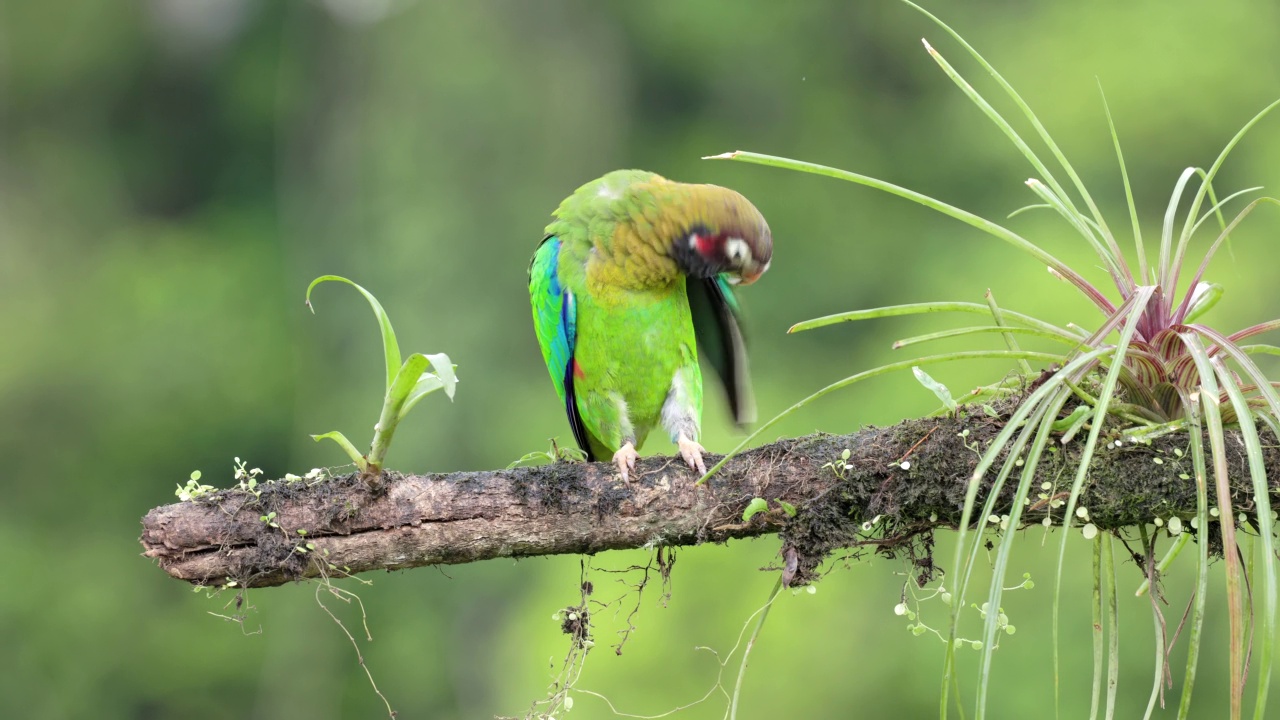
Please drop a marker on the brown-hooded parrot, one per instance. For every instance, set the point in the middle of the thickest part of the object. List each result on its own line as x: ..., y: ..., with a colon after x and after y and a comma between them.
x: 633, y: 277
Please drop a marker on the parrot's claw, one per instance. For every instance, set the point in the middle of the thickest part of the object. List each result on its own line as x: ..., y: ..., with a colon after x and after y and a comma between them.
x: 625, y: 459
x: 691, y: 451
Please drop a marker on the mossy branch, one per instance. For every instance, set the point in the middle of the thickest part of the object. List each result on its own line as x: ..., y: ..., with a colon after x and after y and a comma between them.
x: 911, y: 476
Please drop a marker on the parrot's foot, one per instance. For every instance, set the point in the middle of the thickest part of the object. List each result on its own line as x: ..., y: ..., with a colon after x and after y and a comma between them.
x: 625, y: 459
x: 691, y: 451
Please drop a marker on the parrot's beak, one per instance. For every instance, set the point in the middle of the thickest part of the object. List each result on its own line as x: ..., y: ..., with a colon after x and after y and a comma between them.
x: 752, y: 273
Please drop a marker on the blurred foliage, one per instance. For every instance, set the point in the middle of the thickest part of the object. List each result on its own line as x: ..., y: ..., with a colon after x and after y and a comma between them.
x: 173, y: 172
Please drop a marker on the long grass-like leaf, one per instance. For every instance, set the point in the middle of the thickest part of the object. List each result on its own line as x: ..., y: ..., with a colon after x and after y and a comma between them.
x: 874, y: 372
x: 1181, y: 313
x: 1002, y: 329
x: 1144, y: 273
x: 1227, y: 522
x: 1001, y: 441
x: 1113, y: 623
x: 1098, y: 626
x: 1164, y: 264
x: 1079, y: 222
x: 1136, y: 305
x: 1149, y: 549
x: 1206, y: 185
x: 390, y: 348
x: 1264, y: 521
x: 1001, y: 565
x: 1174, y: 270
x: 1261, y: 487
x: 1216, y: 210
x: 1165, y: 562
x: 1040, y: 130
x: 1151, y: 433
x: 933, y: 307
x: 1202, y: 559
x: 1046, y: 206
x: 1208, y: 404
x: 1012, y: 450
x: 998, y: 315
x: 746, y: 652
x: 997, y: 231
x: 1054, y: 195
x: 1026, y: 208
x: 1252, y: 330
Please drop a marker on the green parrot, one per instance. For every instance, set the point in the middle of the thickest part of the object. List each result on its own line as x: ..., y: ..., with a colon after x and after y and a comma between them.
x: 634, y: 275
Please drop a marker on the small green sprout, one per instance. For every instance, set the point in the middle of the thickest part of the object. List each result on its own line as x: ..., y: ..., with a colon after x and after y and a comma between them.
x: 553, y: 454
x: 247, y: 478
x: 936, y: 387
x: 407, y: 384
x: 839, y: 467
x: 755, y: 507
x: 193, y: 489
x: 760, y: 505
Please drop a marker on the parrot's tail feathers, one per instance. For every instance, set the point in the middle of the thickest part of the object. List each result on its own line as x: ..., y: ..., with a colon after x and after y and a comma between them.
x: 575, y: 417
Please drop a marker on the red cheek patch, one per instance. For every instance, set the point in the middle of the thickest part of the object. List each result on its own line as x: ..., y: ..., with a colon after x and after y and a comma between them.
x: 706, y: 245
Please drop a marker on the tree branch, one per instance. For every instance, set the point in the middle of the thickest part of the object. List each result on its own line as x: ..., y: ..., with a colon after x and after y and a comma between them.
x: 405, y: 521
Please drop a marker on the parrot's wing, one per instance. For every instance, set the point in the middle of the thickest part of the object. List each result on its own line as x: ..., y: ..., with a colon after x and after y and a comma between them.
x: 555, y: 319
x: 719, y: 333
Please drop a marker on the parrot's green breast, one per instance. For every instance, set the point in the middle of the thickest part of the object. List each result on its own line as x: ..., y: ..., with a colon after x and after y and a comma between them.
x: 632, y: 342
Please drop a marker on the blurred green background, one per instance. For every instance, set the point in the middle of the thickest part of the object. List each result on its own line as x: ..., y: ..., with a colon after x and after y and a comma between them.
x: 174, y: 172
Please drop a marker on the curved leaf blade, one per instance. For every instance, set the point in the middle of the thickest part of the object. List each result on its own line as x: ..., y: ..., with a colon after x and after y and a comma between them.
x: 390, y: 348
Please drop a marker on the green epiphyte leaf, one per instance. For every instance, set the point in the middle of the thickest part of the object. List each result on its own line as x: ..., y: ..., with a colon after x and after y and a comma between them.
x: 1202, y: 301
x: 346, y: 446
x: 444, y: 370
x: 390, y: 348
x: 755, y: 507
x: 938, y: 388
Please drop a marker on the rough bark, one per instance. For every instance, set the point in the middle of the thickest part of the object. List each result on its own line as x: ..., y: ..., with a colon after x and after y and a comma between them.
x: 911, y: 476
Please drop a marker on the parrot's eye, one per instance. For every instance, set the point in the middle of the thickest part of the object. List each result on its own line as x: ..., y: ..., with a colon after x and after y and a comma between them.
x: 736, y: 250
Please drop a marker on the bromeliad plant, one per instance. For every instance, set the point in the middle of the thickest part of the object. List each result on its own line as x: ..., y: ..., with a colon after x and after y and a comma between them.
x: 1149, y: 367
x: 407, y: 384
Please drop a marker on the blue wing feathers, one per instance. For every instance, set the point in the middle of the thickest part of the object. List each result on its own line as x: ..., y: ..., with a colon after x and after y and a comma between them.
x: 556, y: 318
x: 568, y: 329
x: 550, y: 313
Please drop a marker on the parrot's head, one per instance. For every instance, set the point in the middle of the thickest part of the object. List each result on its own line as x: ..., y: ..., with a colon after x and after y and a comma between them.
x: 725, y: 234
